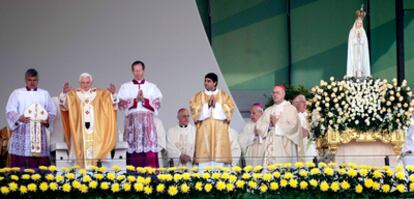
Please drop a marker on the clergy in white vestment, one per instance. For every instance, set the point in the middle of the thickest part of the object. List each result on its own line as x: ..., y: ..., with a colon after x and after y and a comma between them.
x: 299, y: 102
x: 89, y: 121
x: 236, y: 150
x: 408, y: 149
x: 162, y: 142
x: 181, y: 140
x: 280, y: 122
x: 29, y: 111
x: 140, y: 100
x: 251, y: 141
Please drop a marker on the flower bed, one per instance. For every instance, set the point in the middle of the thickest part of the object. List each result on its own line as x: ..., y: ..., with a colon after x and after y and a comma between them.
x: 277, y: 181
x: 363, y: 105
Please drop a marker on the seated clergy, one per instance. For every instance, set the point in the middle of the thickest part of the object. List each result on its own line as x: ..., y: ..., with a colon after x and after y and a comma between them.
x: 181, y: 140
x: 89, y: 121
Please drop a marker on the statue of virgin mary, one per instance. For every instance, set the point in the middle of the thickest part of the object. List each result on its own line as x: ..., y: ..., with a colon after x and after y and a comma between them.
x: 358, y: 64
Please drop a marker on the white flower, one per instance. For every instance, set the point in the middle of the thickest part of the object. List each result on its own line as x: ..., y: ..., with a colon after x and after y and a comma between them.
x: 392, y: 98
x: 332, y: 79
x: 356, y: 122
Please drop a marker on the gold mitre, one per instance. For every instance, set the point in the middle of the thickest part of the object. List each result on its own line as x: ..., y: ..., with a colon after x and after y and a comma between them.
x: 360, y: 14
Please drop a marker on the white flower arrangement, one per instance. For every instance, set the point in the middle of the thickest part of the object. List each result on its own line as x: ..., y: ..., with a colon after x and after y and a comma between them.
x: 360, y: 104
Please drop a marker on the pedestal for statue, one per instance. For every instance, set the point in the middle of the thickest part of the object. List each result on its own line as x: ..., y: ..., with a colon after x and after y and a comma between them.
x: 366, y: 148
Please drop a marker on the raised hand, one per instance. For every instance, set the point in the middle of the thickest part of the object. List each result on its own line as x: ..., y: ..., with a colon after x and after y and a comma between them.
x: 111, y: 88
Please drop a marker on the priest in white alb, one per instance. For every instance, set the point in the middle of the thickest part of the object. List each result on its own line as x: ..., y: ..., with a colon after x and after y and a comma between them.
x: 299, y: 102
x: 140, y: 100
x: 251, y: 141
x: 281, y: 125
x: 89, y: 121
x: 29, y: 111
x: 181, y: 140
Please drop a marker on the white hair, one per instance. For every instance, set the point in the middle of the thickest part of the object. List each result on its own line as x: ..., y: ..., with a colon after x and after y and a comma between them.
x: 84, y: 75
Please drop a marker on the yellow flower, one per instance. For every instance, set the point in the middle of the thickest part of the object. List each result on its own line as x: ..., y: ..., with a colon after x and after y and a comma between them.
x: 82, y: 171
x: 25, y: 176
x: 410, y: 167
x: 324, y: 186
x: 399, y: 168
x: 76, y: 184
x: 53, y: 186
x: 110, y: 176
x: 115, y: 187
x: 93, y: 184
x: 131, y: 178
x: 267, y: 177
x: 245, y: 176
x: 299, y: 165
x: 86, y: 178
x: 16, y: 178
x: 257, y: 168
x: 236, y: 169
x: 335, y: 186
x: 29, y: 171
x: 389, y: 172
x: 130, y: 168
x: 328, y: 171
x: 345, y: 185
x: 352, y: 173
x: 283, y: 183
x: 263, y: 188
x: 185, y: 188
x: 160, y: 188
x: 332, y: 164
x: 293, y: 183
x: 377, y: 174
x: 116, y: 168
x: 32, y: 187
x: 187, y: 176
x: 303, y: 185
x: 220, y: 185
x: 23, y: 189
x: 276, y: 174
x: 59, y: 178
x: 196, y: 175
x: 199, y: 186
x: 252, y: 184
x: 102, y: 169
x: 215, y: 176
x: 271, y: 167
x: 4, y: 190
x: 322, y: 164
x: 138, y: 186
x: 359, y: 188
x: 205, y: 176
x: 247, y: 168
x: 257, y: 176
x: 127, y: 187
x: 341, y: 171
x: 69, y: 176
x: 310, y: 164
x: 104, y: 186
x: 147, y: 180
x: 50, y: 177
x: 368, y: 183
x: 13, y: 186
x: 400, y: 175
x: 376, y: 186
x: 401, y: 188
x: 274, y: 186
x: 43, y: 186
x: 232, y: 178
x: 411, y: 186
x: 229, y: 187
x: 36, y: 177
x: 52, y: 168
x: 288, y: 175
x: 385, y: 188
x: 303, y: 173
x: 313, y: 183
x: 172, y: 190
x: 66, y: 187
x: 83, y: 188
x: 287, y: 165
x: 315, y: 171
x: 148, y: 190
x: 120, y: 177
x: 75, y: 167
x: 240, y: 184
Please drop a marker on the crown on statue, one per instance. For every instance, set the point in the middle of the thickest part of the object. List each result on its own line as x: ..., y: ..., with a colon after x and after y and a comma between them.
x: 360, y: 14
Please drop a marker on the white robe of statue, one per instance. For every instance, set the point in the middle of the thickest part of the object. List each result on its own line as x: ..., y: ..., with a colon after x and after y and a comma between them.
x: 358, y: 64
